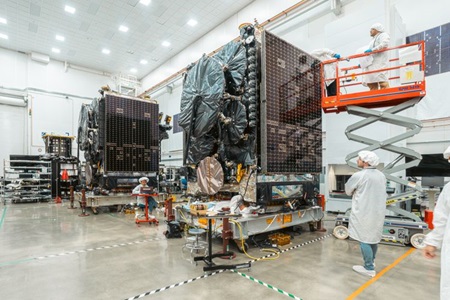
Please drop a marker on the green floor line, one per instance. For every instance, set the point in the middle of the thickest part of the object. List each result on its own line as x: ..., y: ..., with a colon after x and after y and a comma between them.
x: 16, y: 262
x: 268, y: 285
x: 3, y: 216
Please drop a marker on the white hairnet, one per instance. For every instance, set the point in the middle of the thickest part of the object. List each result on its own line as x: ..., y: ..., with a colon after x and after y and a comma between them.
x: 447, y: 153
x: 377, y: 27
x: 143, y: 178
x: 369, y: 157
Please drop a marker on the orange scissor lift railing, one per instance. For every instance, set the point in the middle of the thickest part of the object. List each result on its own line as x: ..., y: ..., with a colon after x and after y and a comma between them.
x: 409, y: 81
x: 406, y: 88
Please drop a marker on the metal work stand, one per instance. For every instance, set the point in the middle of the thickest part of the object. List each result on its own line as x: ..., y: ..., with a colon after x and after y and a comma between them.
x: 71, y: 198
x: 83, y: 204
x: 210, y: 265
x: 388, y: 116
x: 146, y: 219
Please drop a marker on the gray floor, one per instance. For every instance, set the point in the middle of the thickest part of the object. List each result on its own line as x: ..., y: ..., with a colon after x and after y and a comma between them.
x: 48, y: 252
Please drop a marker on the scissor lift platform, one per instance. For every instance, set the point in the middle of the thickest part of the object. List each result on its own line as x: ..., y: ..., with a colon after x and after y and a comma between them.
x: 374, y: 99
x: 407, y: 83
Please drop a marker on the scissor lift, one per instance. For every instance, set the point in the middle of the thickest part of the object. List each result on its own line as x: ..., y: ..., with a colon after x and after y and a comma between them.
x: 407, y: 88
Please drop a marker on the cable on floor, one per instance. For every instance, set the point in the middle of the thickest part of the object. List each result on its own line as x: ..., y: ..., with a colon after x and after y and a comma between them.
x: 262, y: 250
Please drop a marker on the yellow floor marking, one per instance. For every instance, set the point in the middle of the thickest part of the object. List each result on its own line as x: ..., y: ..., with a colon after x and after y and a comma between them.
x: 368, y: 283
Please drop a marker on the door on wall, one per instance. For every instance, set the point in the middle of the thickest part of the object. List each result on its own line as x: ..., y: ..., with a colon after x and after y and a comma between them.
x: 13, y: 124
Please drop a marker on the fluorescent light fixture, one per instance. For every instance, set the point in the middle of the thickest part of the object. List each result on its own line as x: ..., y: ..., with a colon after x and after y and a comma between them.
x: 143, y: 61
x: 69, y: 9
x: 106, y: 51
x: 3, y: 21
x: 165, y: 44
x: 133, y: 70
x: 56, y: 50
x: 145, y: 2
x: 192, y: 22
x: 60, y: 38
x: 123, y: 28
x: 3, y: 36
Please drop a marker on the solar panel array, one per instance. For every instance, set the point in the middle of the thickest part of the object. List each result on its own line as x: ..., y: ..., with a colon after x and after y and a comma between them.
x: 437, y: 48
x: 292, y: 136
x: 131, y: 135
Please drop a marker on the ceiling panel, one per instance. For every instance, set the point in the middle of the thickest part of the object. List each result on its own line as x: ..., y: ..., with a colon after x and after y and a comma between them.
x: 33, y: 24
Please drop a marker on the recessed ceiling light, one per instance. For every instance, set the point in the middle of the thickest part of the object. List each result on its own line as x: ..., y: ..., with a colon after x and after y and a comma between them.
x: 133, y: 70
x: 3, y: 36
x: 123, y: 28
x: 56, y: 50
x: 106, y: 51
x: 60, y: 38
x: 165, y: 44
x: 69, y: 9
x: 192, y: 22
x: 143, y: 61
x: 145, y: 2
x: 3, y: 21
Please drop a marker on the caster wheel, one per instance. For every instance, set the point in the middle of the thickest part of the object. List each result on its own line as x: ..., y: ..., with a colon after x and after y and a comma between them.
x: 417, y: 241
x: 239, y: 246
x: 340, y: 232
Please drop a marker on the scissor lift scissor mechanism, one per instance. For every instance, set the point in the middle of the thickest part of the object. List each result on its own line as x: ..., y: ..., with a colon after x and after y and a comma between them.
x: 405, y: 91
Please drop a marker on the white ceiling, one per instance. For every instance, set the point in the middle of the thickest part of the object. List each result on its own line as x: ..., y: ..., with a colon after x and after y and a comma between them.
x: 32, y: 26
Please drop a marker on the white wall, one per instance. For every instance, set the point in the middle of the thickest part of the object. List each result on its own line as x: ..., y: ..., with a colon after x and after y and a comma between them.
x: 13, y: 131
x: 54, y: 96
x: 42, y: 120
x: 13, y: 72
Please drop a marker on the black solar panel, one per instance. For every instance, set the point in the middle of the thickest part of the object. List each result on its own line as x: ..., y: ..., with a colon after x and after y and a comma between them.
x: 131, y: 133
x: 291, y: 136
x: 437, y: 48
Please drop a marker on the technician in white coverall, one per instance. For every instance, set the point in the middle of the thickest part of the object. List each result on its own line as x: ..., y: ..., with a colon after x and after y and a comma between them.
x: 141, y: 199
x: 329, y: 70
x: 380, y: 40
x: 440, y: 236
x: 368, y: 190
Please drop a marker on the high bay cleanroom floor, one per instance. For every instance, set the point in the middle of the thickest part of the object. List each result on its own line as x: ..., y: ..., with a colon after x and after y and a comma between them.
x: 48, y: 252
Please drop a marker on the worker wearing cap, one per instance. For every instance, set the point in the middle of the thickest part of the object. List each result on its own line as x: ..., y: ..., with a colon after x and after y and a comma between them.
x: 368, y: 190
x: 439, y: 237
x: 380, y: 40
x: 329, y: 70
x: 141, y: 199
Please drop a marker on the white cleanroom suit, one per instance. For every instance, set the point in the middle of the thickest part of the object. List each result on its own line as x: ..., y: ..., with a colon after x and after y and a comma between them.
x: 380, y: 60
x: 439, y: 237
x: 368, y: 190
x: 329, y: 69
